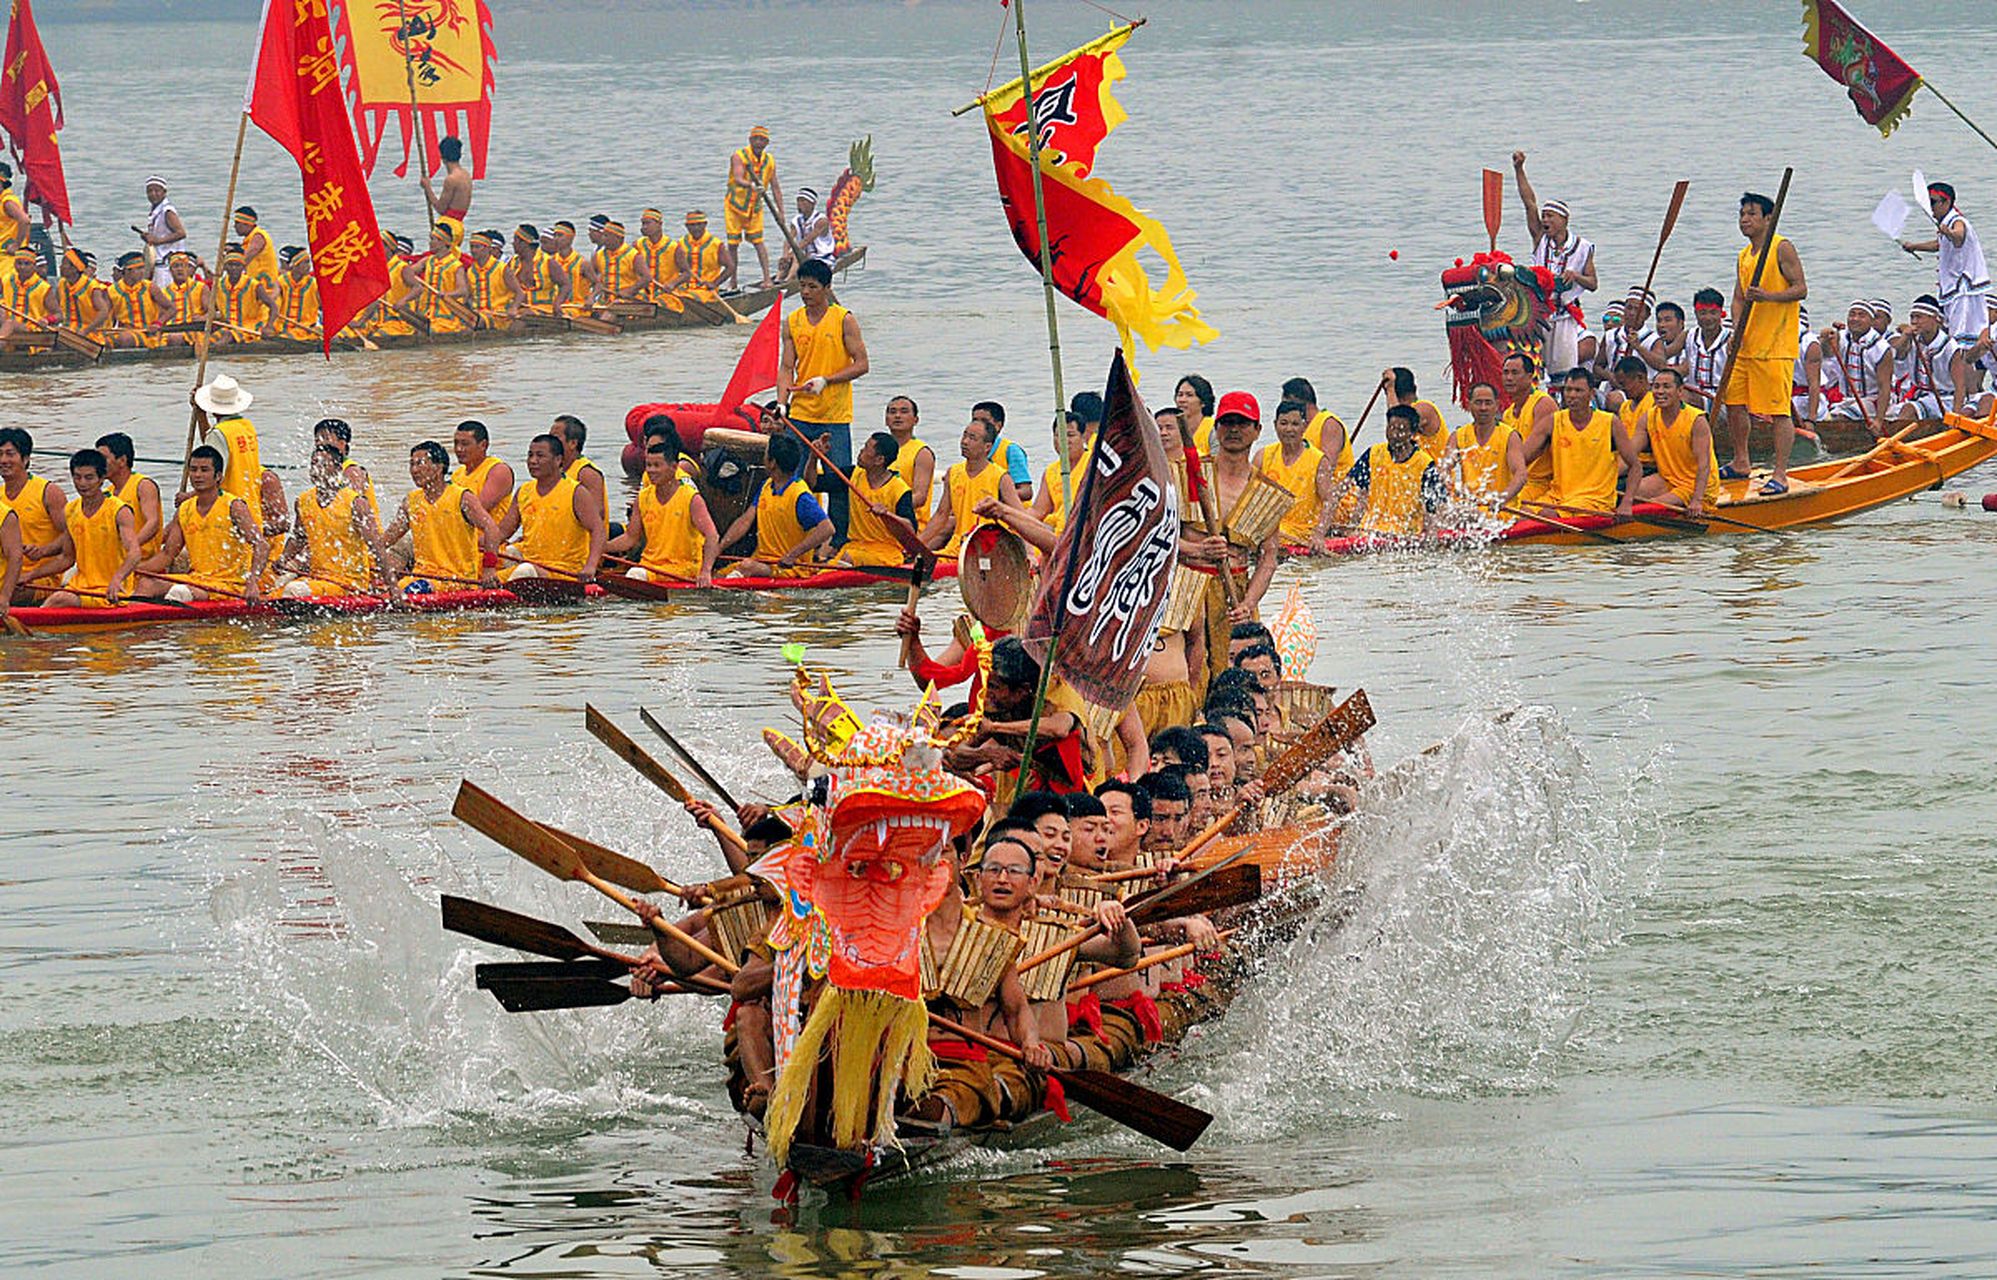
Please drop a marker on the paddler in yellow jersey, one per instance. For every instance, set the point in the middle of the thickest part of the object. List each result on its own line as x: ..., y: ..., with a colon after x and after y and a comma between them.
x: 670, y: 529
x: 1050, y: 501
x: 296, y: 317
x: 138, y: 306
x: 26, y: 294
x: 479, y: 470
x: 437, y: 288
x: 100, y: 541
x: 335, y: 547
x: 699, y: 260
x: 560, y: 524
x: 10, y: 559
x: 38, y: 502
x: 1531, y: 412
x: 338, y: 435
x: 490, y: 290
x: 1584, y: 443
x: 243, y: 300
x: 1680, y: 440
x: 1299, y: 466
x: 878, y: 495
x: 914, y: 460
x: 965, y: 485
x: 449, y: 528
x: 1487, y: 458
x: 223, y: 402
x: 1433, y: 437
x: 751, y: 171
x: 187, y: 297
x: 540, y: 285
x: 1399, y: 485
x: 1324, y: 429
x: 80, y: 298
x: 822, y: 356
x: 790, y: 525
x: 226, y: 550
x: 616, y: 272
x: 1006, y: 453
x: 559, y: 244
x: 655, y: 248
x: 392, y: 315
x: 14, y: 224
x: 134, y: 490
x: 1769, y: 337
x: 259, y: 254
x: 574, y: 435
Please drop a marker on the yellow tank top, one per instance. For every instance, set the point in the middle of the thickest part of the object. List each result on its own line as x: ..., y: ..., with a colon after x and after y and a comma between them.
x: 575, y: 469
x: 439, y: 272
x: 1671, y: 450
x: 572, y: 263
x: 1584, y: 461
x: 1487, y: 471
x: 133, y: 306
x: 128, y: 493
x: 673, y: 546
x: 264, y: 261
x: 741, y: 195
x: 869, y: 540
x: 1773, y: 330
x: 658, y: 257
x: 539, y: 277
x: 703, y: 260
x: 95, y: 537
x: 1538, y: 471
x: 30, y: 297
x: 217, y: 555
x: 965, y: 491
x: 550, y: 533
x: 490, y: 294
x: 1315, y: 434
x: 821, y: 351
x: 333, y: 550
x: 1432, y: 445
x: 240, y: 304
x: 244, y: 478
x: 616, y: 269
x: 1393, y: 491
x: 1050, y: 482
x: 31, y: 505
x: 446, y: 544
x: 1203, y: 437
x: 13, y: 225
x: 189, y: 298
x: 474, y: 483
x: 904, y: 466
x: 77, y: 309
x: 1300, y: 478
x: 298, y: 306
x: 777, y: 527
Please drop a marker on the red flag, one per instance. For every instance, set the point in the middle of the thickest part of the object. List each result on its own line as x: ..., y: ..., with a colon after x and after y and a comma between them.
x: 1878, y: 83
x: 295, y: 98
x: 757, y: 369
x: 31, y: 111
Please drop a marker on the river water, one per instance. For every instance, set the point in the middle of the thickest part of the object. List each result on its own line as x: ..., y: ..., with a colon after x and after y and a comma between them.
x: 1672, y: 961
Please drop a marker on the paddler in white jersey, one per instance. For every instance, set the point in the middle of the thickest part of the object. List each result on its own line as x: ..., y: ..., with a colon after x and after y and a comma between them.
x: 1962, y: 278
x: 1571, y: 259
x: 163, y: 233
x: 1929, y: 354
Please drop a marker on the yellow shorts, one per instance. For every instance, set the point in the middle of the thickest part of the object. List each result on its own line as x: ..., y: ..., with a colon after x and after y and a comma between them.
x: 867, y: 555
x: 1762, y: 385
x: 1165, y: 706
x: 743, y: 226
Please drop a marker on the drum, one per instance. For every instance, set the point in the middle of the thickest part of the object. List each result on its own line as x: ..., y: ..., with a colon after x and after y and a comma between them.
x: 1185, y: 598
x: 995, y: 576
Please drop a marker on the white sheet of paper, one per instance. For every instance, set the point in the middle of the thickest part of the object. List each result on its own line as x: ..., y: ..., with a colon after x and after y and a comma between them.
x: 1921, y: 195
x: 1891, y: 215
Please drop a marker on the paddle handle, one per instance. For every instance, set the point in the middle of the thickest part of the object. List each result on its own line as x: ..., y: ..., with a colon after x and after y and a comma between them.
x: 1543, y: 518
x: 1754, y: 281
x: 659, y: 924
x: 1664, y: 233
x: 908, y: 642
x: 1004, y: 1048
x: 1169, y: 954
x: 1364, y: 414
x: 562, y: 575
x: 642, y: 760
x: 1210, y: 517
x: 188, y: 582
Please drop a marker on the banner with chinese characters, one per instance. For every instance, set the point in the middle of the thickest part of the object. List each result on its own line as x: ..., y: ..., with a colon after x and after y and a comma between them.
x: 444, y: 48
x: 295, y: 98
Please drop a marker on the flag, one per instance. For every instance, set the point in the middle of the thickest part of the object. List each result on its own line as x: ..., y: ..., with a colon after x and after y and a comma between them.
x: 757, y: 369
x: 294, y: 96
x: 1102, y: 587
x: 1879, y: 84
x: 447, y: 46
x: 31, y: 111
x: 1095, y: 233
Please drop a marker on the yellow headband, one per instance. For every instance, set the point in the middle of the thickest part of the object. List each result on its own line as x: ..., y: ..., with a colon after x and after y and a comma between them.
x: 454, y: 231
x: 760, y: 131
x: 651, y: 213
x: 614, y: 225
x: 695, y: 215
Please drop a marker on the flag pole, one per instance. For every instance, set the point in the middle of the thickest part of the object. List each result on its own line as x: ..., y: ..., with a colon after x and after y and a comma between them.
x: 416, y: 121
x: 196, y: 420
x: 1958, y: 112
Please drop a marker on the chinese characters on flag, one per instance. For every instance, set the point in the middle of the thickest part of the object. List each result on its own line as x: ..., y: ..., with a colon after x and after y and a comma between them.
x: 295, y: 98
x: 31, y: 111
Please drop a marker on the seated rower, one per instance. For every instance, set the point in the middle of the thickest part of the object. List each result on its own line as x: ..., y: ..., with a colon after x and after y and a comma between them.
x: 1632, y: 399
x: 1487, y: 458
x: 435, y: 284
x: 136, y: 491
x: 1531, y: 408
x: 187, y: 297
x: 670, y: 530
x: 100, y: 540
x: 1299, y: 466
x: 540, y: 285
x: 1051, y: 502
x: 296, y: 316
x: 561, y: 526
x: 1170, y: 824
x: 1263, y: 663
x: 338, y: 435
x: 27, y: 295
x: 878, y: 495
x: 489, y: 293
x: 1430, y: 432
x: 660, y: 426
x: 616, y: 272
x: 10, y: 558
x: 80, y: 297
x: 1680, y: 440
x: 225, y: 546
x: 489, y: 479
x: 335, y: 546
x: 790, y: 525
x: 243, y: 300
x: 1220, y: 763
x: 38, y: 503
x: 574, y: 435
x: 1066, y: 757
x: 966, y: 483
x: 138, y: 306
x: 449, y: 528
x: 1933, y: 362
x: 1585, y: 443
x: 1398, y: 484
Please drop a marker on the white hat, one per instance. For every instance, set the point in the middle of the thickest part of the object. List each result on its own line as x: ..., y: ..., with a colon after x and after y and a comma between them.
x: 223, y: 397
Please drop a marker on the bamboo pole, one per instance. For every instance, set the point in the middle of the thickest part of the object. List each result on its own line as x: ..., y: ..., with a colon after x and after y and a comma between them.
x: 416, y: 119
x: 196, y: 419
x: 1958, y: 113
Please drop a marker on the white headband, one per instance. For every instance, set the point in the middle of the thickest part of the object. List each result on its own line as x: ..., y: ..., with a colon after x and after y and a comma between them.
x: 1554, y: 206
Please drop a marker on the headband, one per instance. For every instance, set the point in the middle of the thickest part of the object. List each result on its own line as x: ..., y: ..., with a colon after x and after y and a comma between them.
x: 808, y: 193
x: 156, y: 181
x: 1709, y: 306
x: 453, y: 230
x: 613, y: 224
x: 78, y: 258
x: 486, y: 238
x: 695, y: 215
x: 599, y: 220
x: 565, y: 225
x: 760, y: 131
x: 247, y: 214
x: 651, y: 213
x: 1925, y: 308
x: 127, y: 259
x: 1554, y: 206
x: 233, y: 255
x: 1637, y: 293
x: 527, y: 231
x: 1880, y: 307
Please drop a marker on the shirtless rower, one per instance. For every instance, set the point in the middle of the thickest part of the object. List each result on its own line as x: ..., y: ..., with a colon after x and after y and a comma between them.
x: 1399, y: 486
x: 877, y: 495
x: 335, y: 547
x: 479, y: 471
x: 670, y: 529
x: 452, y: 198
x: 1680, y: 439
x: 790, y: 525
x: 561, y: 526
x: 220, y: 534
x: 450, y: 530
x: 39, y: 503
x: 1759, y: 389
x: 99, y: 540
x: 1571, y: 259
x: 1584, y: 443
x: 1487, y: 458
x: 134, y: 490
x: 964, y: 485
x: 1299, y: 466
x: 915, y: 461
x: 1237, y: 423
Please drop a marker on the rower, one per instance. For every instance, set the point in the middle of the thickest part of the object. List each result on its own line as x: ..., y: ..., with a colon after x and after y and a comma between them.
x: 438, y: 279
x: 25, y: 292
x: 296, y: 318
x: 335, y: 548
x: 1301, y: 467
x: 790, y: 525
x: 660, y: 426
x: 163, y: 231
x: 1861, y: 363
x: 1633, y: 337
x: 100, y: 540
x: 243, y: 299
x: 1571, y: 260
x: 1488, y: 462
x: 655, y: 250
x: 187, y: 297
x: 1170, y: 823
x: 1767, y: 354
x: 10, y: 559
x: 134, y: 490
x: 1046, y: 814
x: 450, y: 530
x: 39, y: 503
x: 538, y: 282
x: 79, y: 296
x: 1178, y: 745
x: 616, y: 271
x: 1220, y: 761
x: 1704, y: 356
x: 574, y: 435
x: 1434, y: 434
x: 454, y: 198
x: 479, y: 471
x: 224, y: 542
x: 1671, y: 336
x: 700, y: 260
x: 965, y: 484
x: 1050, y: 501
x: 1806, y: 396
x: 1243, y: 636
x: 750, y: 168
x: 1066, y: 756
x: 878, y: 494
x: 670, y: 529
x: 1166, y: 697
x: 812, y: 230
x: 259, y: 254
x: 1931, y: 358
x: 337, y: 435
x: 1237, y: 422
x: 1962, y: 278
x: 1680, y: 438
x: 1398, y: 484
x: 138, y: 306
x: 914, y: 461
x: 560, y: 243
x: 489, y: 290
x: 1531, y: 411
x: 1263, y: 663
x: 1584, y: 443
x: 560, y: 523
x: 1005, y: 452
x: 823, y: 355
x: 1194, y: 399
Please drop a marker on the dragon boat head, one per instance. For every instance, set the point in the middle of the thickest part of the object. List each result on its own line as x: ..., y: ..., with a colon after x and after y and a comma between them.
x: 1493, y: 307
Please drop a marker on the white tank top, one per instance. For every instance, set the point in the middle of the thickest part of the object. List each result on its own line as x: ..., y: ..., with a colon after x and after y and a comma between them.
x: 156, y: 225
x: 1858, y: 364
x: 1704, y: 364
x: 1572, y: 257
x: 1934, y: 364
x: 819, y: 246
x: 1806, y: 342
x: 1960, y: 267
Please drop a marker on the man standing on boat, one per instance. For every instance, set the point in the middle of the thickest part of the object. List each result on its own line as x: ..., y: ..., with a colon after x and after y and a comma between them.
x: 751, y: 171
x: 1571, y: 259
x: 454, y: 200
x: 823, y: 354
x: 1763, y: 368
x: 163, y: 233
x: 1962, y: 279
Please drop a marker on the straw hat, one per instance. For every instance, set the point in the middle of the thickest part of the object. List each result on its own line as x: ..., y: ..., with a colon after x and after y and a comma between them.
x: 223, y: 397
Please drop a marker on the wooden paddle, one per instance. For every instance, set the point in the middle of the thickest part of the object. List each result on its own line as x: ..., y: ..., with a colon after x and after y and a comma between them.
x: 1166, y: 956
x: 658, y: 775
x: 1365, y: 413
x: 503, y: 928
x: 189, y: 582
x: 699, y: 770
x: 1663, y: 519
x: 1664, y: 233
x: 591, y: 967
x: 1153, y: 1114
x: 540, y: 995
x: 67, y: 339
x: 616, y: 867
x: 1494, y: 204
x: 1596, y: 534
x: 16, y: 627
x: 464, y: 314
x: 487, y: 814
x: 1237, y: 886
x: 1754, y: 281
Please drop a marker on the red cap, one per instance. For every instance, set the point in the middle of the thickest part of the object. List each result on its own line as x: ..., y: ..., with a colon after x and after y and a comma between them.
x: 1238, y: 404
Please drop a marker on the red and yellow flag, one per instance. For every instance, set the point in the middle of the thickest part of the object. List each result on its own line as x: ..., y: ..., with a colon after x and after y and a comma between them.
x: 446, y: 47
x: 1096, y: 234
x: 1879, y: 84
x: 295, y: 98
x: 31, y: 111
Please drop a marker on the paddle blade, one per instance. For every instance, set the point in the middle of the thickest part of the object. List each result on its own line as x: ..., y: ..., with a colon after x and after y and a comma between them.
x: 490, y: 816
x: 1333, y: 734
x: 546, y: 590
x: 1494, y: 202
x: 692, y: 762
x: 622, y: 935
x: 1230, y: 886
x: 1671, y: 214
x: 617, y: 584
x: 631, y: 753
x: 537, y: 995
x: 612, y: 865
x: 503, y: 928
x: 1155, y: 1115
x: 499, y: 970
